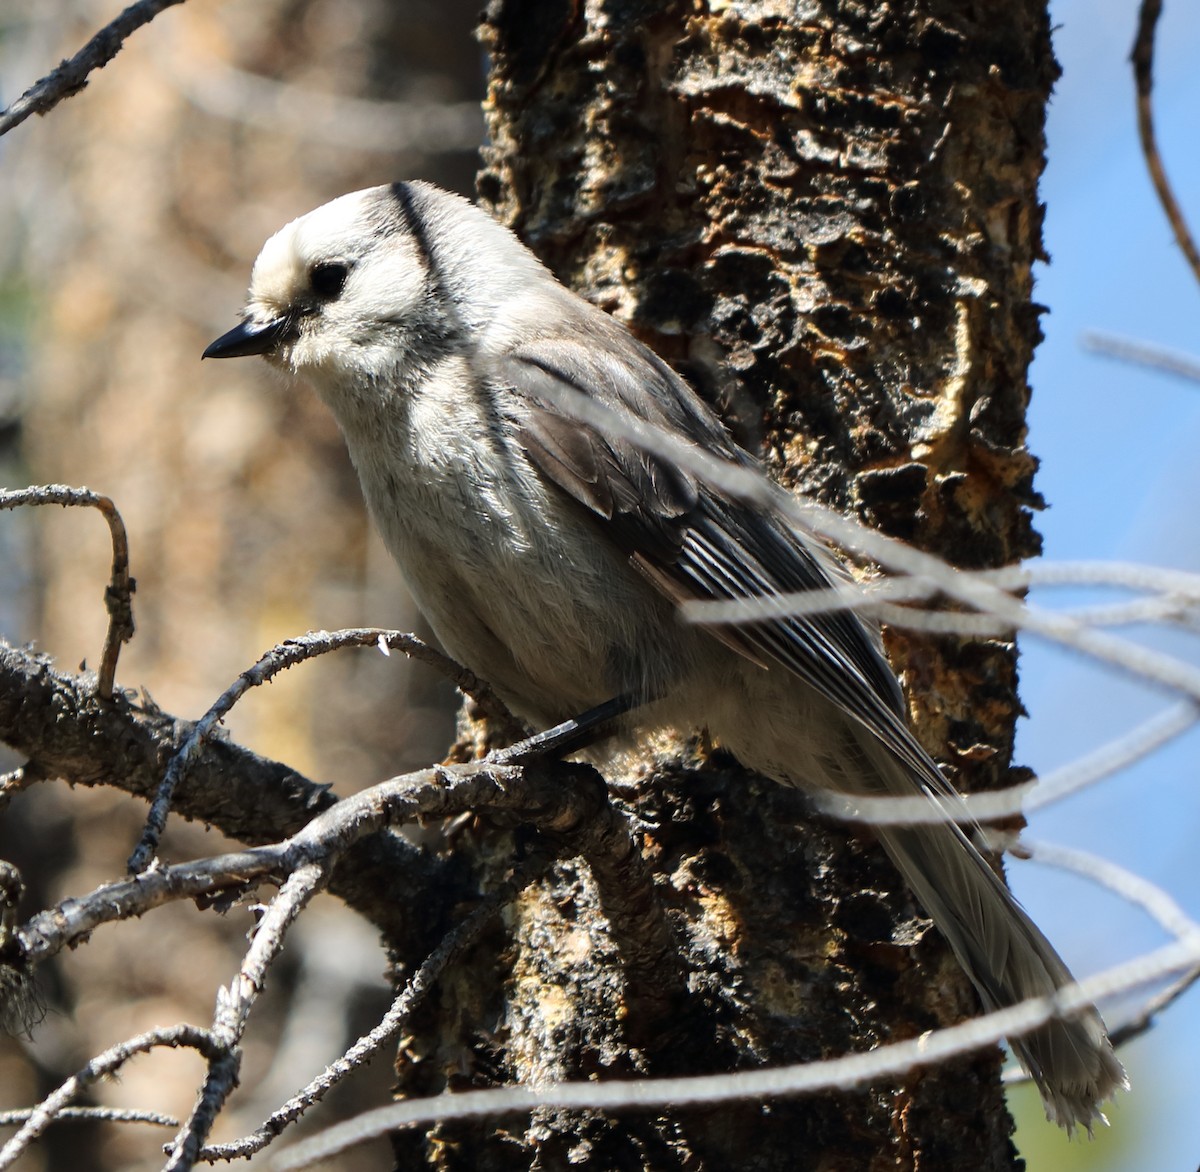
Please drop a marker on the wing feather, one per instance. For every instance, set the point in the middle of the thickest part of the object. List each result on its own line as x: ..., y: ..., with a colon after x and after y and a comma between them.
x: 690, y: 541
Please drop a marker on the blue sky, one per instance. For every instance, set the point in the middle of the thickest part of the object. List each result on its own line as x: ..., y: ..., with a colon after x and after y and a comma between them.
x: 1121, y: 472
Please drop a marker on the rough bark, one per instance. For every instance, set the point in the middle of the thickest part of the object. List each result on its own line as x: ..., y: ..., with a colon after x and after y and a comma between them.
x: 826, y: 214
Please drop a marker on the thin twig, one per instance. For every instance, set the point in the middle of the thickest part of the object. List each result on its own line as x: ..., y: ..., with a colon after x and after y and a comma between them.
x: 234, y: 1005
x: 453, y: 945
x: 1023, y: 798
x: 1143, y: 72
x: 562, y: 800
x: 1142, y: 354
x: 1134, y: 889
x: 70, y: 922
x: 1166, y: 608
x: 1117, y: 754
x: 279, y: 658
x: 544, y: 796
x: 92, y: 1115
x: 118, y: 595
x: 1145, y: 1018
x: 1170, y: 590
x: 563, y: 807
x: 99, y: 1067
x: 54, y: 718
x: 71, y: 76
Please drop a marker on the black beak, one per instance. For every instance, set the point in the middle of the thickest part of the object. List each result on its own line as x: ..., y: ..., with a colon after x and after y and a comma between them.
x: 250, y: 337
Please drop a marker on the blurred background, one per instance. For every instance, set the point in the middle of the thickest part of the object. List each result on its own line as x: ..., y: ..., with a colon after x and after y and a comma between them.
x: 133, y: 218
x: 134, y: 212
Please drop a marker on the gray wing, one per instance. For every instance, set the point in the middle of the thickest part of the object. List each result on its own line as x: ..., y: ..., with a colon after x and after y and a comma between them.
x: 692, y: 541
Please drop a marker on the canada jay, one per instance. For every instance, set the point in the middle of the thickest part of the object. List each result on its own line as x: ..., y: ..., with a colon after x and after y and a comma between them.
x: 550, y: 554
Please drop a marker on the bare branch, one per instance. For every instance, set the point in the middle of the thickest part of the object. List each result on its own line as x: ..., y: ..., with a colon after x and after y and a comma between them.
x: 234, y: 1005
x: 71, y: 76
x: 451, y: 947
x: 99, y: 1067
x: 1132, y: 888
x: 279, y: 658
x: 1146, y: 1017
x: 570, y: 804
x: 55, y: 718
x: 92, y: 1115
x: 1135, y: 889
x: 1021, y: 799
x: 1142, y: 354
x: 1164, y: 608
x: 1173, y: 596
x: 558, y: 799
x: 1118, y: 754
x: 118, y: 597
x: 72, y: 921
x: 1143, y: 72
x: 1134, y: 575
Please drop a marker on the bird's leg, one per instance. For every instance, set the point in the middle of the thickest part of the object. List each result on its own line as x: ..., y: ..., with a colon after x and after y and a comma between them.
x: 572, y: 735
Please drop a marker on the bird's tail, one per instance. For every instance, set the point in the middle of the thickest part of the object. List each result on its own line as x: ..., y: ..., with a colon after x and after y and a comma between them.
x: 1001, y: 949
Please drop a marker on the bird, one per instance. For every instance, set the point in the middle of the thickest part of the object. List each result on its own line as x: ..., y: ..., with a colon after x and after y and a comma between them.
x: 551, y: 554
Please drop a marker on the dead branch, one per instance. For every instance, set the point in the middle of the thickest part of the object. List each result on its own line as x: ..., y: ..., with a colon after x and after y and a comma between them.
x: 234, y: 1005
x: 841, y: 1073
x: 1142, y: 354
x: 288, y: 654
x: 452, y: 946
x: 568, y: 802
x: 55, y: 719
x: 325, y: 839
x: 71, y: 76
x: 1143, y: 72
x: 92, y: 1115
x: 102, y: 1066
x: 118, y: 595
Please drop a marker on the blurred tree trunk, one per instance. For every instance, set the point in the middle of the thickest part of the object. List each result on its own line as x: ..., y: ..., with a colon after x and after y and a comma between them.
x: 826, y: 214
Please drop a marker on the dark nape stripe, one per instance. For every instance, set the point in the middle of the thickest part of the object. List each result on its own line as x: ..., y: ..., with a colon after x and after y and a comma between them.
x: 412, y: 223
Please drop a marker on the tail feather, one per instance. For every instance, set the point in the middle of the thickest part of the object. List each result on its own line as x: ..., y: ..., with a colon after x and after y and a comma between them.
x: 1002, y: 951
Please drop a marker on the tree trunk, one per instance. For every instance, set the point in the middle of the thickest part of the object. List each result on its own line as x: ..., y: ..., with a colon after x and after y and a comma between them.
x: 827, y: 219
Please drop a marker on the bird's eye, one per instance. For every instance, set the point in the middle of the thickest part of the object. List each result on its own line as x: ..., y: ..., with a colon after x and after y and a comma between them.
x: 327, y: 280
